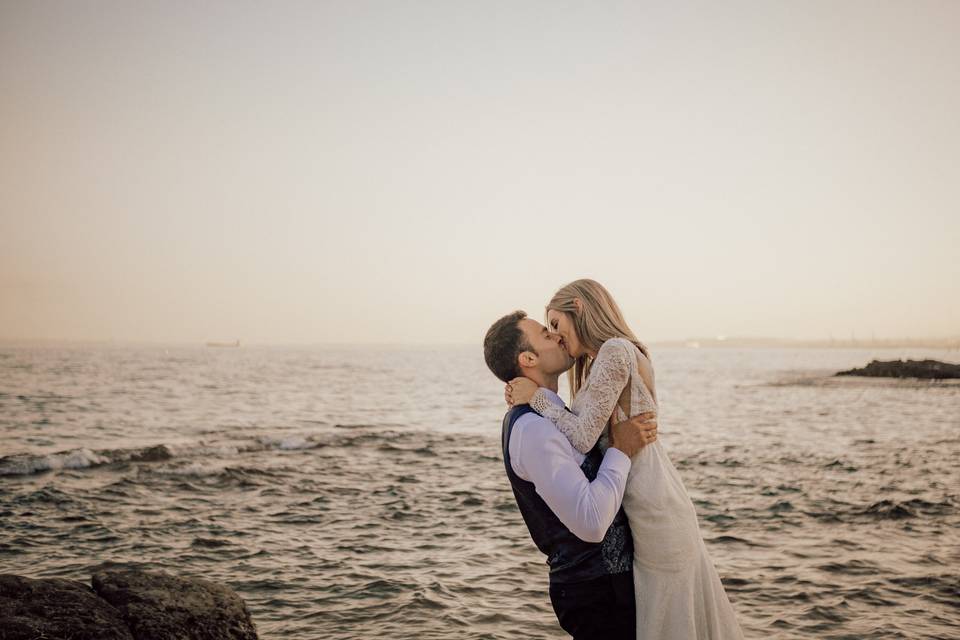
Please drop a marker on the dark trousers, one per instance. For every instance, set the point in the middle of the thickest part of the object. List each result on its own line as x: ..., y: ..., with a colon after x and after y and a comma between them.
x: 601, y: 609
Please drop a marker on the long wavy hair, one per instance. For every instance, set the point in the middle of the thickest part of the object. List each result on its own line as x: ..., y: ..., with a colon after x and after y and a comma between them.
x: 595, y: 320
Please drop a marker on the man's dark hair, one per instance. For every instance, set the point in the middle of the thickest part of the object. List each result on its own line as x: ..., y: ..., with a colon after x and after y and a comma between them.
x: 503, y: 343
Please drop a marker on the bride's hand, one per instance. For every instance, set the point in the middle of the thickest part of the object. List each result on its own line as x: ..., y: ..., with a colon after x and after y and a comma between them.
x: 520, y: 391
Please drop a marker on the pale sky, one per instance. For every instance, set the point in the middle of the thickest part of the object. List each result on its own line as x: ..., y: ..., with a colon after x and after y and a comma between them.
x: 392, y: 172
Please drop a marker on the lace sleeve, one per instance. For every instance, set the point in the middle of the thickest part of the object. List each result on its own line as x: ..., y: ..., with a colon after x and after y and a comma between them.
x: 592, y: 407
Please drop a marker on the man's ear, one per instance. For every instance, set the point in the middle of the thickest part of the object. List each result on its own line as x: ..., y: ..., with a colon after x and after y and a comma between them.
x: 527, y: 359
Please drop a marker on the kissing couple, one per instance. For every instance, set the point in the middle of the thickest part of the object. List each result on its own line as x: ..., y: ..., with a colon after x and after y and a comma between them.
x: 593, y: 482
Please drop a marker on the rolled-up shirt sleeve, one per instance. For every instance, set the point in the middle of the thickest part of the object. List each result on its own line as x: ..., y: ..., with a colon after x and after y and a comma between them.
x: 540, y: 454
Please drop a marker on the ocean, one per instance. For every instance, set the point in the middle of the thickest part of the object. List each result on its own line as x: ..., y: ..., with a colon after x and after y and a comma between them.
x: 359, y: 492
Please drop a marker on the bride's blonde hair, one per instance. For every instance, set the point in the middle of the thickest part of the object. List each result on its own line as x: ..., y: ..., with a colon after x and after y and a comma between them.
x: 595, y: 320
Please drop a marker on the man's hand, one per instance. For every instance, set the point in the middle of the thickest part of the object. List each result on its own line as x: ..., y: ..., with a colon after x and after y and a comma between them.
x: 519, y: 391
x: 634, y: 434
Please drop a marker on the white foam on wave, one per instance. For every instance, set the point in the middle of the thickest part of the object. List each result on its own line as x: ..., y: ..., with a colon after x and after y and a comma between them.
x: 79, y: 459
x: 288, y: 442
x: 201, y: 468
x: 75, y: 459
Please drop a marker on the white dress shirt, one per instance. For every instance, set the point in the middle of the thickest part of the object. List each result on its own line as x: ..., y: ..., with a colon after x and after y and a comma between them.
x: 541, y: 454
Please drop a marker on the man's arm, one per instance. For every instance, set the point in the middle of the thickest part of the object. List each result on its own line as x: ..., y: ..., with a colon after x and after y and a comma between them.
x: 543, y: 456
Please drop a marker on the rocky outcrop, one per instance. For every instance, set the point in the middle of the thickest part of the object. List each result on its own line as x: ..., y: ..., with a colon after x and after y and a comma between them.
x: 55, y: 608
x: 925, y: 369
x: 124, y: 604
x: 159, y: 606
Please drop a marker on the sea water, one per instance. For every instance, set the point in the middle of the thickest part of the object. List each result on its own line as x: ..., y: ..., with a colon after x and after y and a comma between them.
x: 360, y: 492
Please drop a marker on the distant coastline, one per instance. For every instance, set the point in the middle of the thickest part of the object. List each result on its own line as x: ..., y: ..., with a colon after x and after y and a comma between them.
x: 788, y: 343
x: 234, y: 344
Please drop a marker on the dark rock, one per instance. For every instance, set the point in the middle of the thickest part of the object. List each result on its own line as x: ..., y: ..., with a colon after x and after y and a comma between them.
x: 55, y: 608
x: 156, y: 453
x: 925, y: 369
x: 889, y: 510
x: 159, y: 606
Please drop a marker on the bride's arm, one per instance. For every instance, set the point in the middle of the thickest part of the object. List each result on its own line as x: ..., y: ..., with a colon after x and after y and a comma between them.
x: 594, y: 405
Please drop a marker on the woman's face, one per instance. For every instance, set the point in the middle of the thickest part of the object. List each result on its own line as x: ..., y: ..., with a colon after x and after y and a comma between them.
x: 560, y: 322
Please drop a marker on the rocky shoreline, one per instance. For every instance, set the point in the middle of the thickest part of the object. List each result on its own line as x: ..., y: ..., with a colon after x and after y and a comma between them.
x: 122, y: 604
x: 923, y: 369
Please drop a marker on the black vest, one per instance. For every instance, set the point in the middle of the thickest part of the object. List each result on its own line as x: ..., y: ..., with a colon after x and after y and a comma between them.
x: 570, y: 558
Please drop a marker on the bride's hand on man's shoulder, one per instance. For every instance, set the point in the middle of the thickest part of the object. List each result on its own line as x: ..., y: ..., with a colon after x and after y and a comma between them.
x: 519, y: 391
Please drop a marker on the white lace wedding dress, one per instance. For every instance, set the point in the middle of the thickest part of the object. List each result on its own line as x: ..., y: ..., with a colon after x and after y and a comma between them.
x: 678, y: 591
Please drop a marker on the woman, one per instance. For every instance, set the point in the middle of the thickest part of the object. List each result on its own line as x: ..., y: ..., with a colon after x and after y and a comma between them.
x: 679, y: 594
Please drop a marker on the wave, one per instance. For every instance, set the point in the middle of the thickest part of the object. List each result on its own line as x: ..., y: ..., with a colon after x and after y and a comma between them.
x: 24, y: 464
x: 891, y: 510
x: 289, y: 442
x: 27, y: 464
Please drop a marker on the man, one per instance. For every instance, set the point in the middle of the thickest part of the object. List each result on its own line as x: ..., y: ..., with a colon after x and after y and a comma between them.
x: 570, y: 502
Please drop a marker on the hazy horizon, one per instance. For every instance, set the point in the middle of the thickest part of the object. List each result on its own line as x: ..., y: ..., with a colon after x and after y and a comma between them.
x: 393, y: 173
x: 935, y: 343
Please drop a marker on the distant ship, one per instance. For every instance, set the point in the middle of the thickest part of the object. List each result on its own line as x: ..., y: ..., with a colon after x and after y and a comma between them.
x: 235, y: 343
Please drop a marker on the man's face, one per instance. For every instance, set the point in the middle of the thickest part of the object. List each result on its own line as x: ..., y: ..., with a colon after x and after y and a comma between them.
x: 552, y: 358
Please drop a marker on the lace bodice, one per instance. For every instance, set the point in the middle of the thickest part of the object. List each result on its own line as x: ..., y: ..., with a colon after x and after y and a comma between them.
x: 614, y: 367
